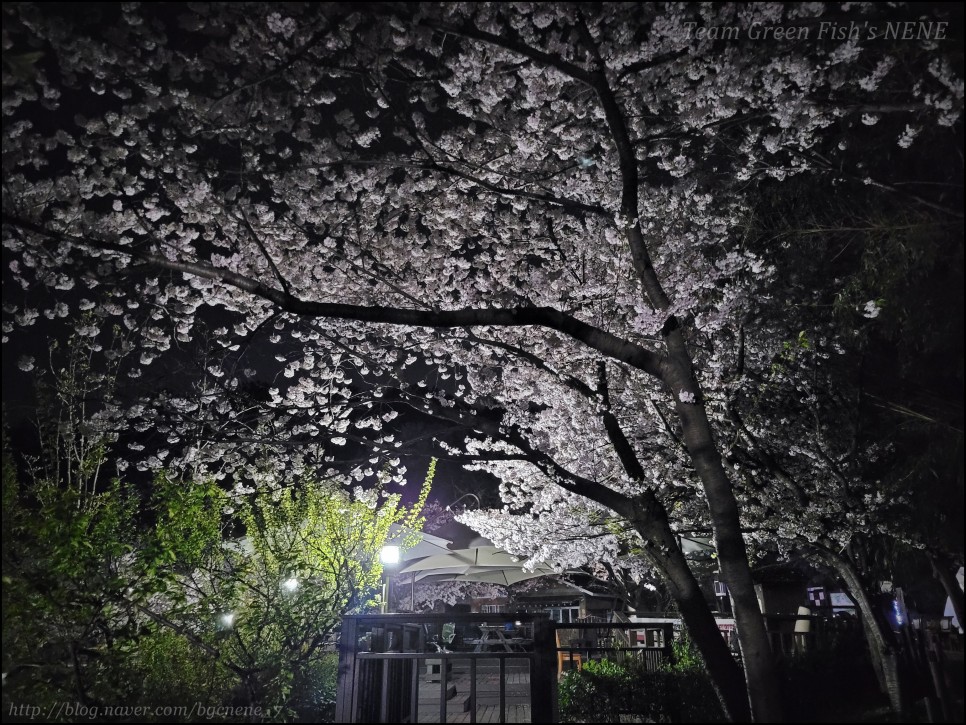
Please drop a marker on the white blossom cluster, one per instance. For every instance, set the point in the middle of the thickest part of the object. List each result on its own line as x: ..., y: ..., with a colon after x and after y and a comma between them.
x: 208, y: 166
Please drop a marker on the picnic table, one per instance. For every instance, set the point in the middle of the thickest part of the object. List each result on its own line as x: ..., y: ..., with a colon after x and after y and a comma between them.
x: 494, y: 637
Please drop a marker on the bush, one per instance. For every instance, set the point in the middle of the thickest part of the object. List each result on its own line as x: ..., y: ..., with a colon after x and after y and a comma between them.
x: 597, y: 693
x: 313, y: 695
x: 603, y: 691
x: 844, y: 677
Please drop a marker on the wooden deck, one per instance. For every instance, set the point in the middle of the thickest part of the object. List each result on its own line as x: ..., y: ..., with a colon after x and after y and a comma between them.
x: 484, y: 713
x: 458, y: 705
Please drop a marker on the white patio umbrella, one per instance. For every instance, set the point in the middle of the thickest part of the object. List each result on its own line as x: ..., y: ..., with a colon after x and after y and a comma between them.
x: 428, y: 544
x: 477, y: 564
x: 498, y: 575
x: 446, y: 573
x: 452, y: 562
x: 506, y: 577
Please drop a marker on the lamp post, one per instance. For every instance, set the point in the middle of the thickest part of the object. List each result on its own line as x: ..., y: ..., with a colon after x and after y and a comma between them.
x: 465, y: 495
x: 389, y: 556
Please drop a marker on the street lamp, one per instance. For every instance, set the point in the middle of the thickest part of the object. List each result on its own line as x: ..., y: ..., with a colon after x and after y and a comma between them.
x: 389, y: 556
x: 465, y: 495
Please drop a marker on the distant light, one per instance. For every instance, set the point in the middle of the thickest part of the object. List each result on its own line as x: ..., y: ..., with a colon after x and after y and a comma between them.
x: 517, y: 623
x: 389, y: 555
x: 898, y: 610
x: 291, y: 584
x: 227, y: 619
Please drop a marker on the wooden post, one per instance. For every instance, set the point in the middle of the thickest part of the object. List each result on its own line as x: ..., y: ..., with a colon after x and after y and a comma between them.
x: 346, y: 672
x: 543, y: 672
x: 667, y: 648
x: 937, y: 670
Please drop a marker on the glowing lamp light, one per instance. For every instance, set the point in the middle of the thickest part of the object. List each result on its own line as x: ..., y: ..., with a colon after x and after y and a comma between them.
x: 898, y: 611
x: 389, y: 555
x: 290, y: 584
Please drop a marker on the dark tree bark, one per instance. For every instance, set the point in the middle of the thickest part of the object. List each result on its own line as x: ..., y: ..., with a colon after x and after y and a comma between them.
x: 667, y: 557
x: 950, y: 583
x: 882, y: 646
x: 756, y: 653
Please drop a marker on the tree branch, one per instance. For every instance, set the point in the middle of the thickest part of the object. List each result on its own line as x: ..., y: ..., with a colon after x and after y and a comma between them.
x: 271, y: 262
x: 642, y: 65
x: 600, y: 340
x: 514, y: 44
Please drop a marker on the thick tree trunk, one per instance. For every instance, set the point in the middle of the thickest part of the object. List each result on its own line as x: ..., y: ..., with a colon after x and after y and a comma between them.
x: 677, y: 372
x: 948, y: 579
x: 756, y: 654
x: 650, y: 520
x: 649, y: 517
x: 726, y: 676
x: 882, y: 649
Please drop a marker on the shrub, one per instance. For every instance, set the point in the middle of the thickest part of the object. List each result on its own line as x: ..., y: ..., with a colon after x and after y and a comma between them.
x: 604, y: 690
x: 597, y: 693
x: 843, y: 676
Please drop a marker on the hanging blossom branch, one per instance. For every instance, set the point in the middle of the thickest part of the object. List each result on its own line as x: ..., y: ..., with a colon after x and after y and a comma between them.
x: 595, y: 338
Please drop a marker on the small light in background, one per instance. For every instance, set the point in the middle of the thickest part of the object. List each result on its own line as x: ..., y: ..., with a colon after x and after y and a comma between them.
x: 290, y: 584
x: 227, y: 619
x: 389, y: 555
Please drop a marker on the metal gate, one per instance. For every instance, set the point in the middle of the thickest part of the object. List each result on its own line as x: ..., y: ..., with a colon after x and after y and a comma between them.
x: 409, y: 668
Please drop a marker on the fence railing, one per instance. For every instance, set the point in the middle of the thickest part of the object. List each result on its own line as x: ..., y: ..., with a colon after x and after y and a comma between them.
x: 793, y: 634
x: 386, y: 661
x: 578, y: 642
x: 404, y: 667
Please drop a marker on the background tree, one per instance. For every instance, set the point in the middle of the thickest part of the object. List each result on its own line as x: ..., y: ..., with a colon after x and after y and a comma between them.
x: 68, y: 619
x: 98, y: 607
x: 867, y: 461
x: 189, y: 594
x: 265, y: 606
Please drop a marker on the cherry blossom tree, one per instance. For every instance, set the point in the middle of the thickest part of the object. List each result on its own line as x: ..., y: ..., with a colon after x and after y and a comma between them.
x: 859, y: 465
x: 813, y: 491
x: 524, y: 220
x: 427, y: 595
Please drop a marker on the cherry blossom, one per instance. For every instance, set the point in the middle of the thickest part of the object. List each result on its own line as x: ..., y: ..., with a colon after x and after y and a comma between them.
x: 526, y: 221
